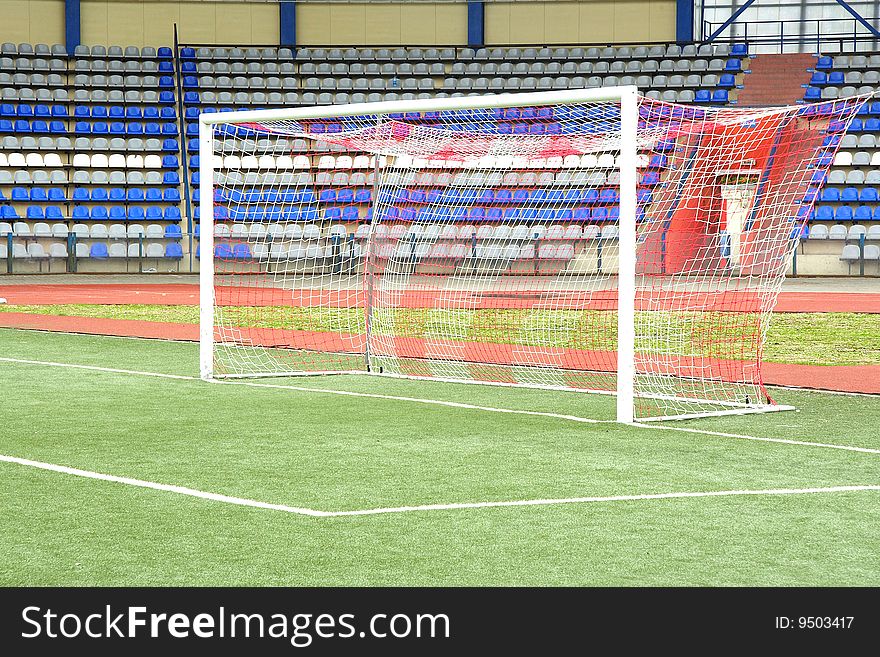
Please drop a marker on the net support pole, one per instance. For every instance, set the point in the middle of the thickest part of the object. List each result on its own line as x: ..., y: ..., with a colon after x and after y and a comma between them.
x: 626, y: 285
x: 369, y: 263
x: 206, y: 250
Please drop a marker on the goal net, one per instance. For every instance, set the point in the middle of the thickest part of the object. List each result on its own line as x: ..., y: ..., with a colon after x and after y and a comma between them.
x: 588, y: 240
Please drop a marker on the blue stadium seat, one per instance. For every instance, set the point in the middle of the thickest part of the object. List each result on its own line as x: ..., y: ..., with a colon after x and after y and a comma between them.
x: 21, y: 125
x: 8, y: 212
x: 241, y: 252
x: 582, y: 214
x: 172, y: 145
x: 153, y: 212
x: 58, y: 110
x: 346, y: 195
x: 862, y: 213
x: 7, y: 109
x: 329, y: 196
x: 362, y: 196
x: 608, y: 196
x: 591, y: 197
x: 6, y: 125
x: 872, y: 125
x: 836, y: 78
x: 719, y: 96
x: 81, y: 111
x: 600, y: 214
x: 650, y: 178
x: 824, y: 63
x: 19, y: 194
x: 522, y: 196
x: 153, y: 195
x: 333, y: 213
x: 830, y: 195
x: 116, y: 128
x: 136, y: 213
x: 173, y: 250
x: 819, y: 78
x: 41, y: 110
x: 844, y: 213
x: 167, y: 97
x: 823, y: 213
x: 116, y: 195
x: 57, y: 194
x: 80, y: 212
x: 869, y: 195
x: 170, y: 178
x: 350, y: 213
x: 98, y: 250
x: 57, y: 128
x: 173, y: 214
x: 172, y: 231
x: 170, y: 162
x: 39, y: 194
x: 100, y: 111
x: 703, y: 96
x: 117, y: 213
x: 34, y: 212
x: 54, y: 212
x: 135, y: 195
x: 849, y: 195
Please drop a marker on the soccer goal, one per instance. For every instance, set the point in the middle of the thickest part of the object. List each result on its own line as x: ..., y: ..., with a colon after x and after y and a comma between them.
x: 582, y: 240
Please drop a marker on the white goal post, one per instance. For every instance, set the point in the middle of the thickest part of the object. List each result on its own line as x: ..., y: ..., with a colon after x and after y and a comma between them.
x: 566, y: 239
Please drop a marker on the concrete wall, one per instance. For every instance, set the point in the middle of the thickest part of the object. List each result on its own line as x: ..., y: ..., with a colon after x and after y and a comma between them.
x: 32, y: 21
x: 150, y: 22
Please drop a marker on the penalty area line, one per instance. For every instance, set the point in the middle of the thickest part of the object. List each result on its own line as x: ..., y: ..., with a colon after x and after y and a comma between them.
x: 448, y: 404
x: 314, y: 513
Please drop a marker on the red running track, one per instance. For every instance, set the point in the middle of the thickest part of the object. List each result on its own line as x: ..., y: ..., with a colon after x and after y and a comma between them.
x: 844, y: 378
x: 187, y: 294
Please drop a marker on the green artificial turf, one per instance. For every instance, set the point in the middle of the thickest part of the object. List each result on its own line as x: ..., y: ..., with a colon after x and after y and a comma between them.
x: 801, y: 338
x: 309, y: 447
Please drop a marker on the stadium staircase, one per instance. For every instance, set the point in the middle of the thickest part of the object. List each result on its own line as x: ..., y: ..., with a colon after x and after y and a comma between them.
x: 776, y: 79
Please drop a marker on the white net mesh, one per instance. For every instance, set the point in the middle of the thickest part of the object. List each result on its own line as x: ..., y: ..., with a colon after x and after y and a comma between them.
x: 481, y: 244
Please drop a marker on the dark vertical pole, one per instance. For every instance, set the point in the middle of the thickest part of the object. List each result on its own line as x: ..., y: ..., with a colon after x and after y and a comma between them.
x: 287, y: 16
x: 72, y: 32
x: 684, y: 21
x: 184, y: 141
x: 476, y: 24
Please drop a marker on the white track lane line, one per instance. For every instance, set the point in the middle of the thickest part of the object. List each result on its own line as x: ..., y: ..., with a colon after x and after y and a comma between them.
x: 301, y: 511
x: 437, y: 402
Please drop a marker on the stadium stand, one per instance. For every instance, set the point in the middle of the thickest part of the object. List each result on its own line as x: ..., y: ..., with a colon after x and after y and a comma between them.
x: 107, y: 137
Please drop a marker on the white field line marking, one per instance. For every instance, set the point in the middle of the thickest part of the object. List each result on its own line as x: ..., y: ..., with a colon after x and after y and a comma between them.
x: 438, y: 402
x: 240, y: 501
